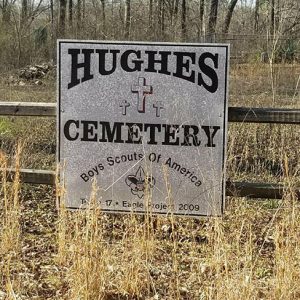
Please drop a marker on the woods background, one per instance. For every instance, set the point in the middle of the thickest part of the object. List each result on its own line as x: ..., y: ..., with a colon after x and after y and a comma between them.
x: 251, y: 252
x: 256, y: 29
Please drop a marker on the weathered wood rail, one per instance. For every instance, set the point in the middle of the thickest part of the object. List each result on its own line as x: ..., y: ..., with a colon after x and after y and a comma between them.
x: 236, y: 189
x: 235, y: 114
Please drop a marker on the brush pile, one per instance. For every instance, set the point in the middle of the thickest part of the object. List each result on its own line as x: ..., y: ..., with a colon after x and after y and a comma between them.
x: 35, y: 72
x: 32, y: 74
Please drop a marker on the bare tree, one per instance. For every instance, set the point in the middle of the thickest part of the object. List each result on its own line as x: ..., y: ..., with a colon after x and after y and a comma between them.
x: 176, y: 7
x: 228, y: 17
x: 162, y: 17
x: 78, y: 16
x: 52, y: 17
x: 103, y: 35
x: 256, y: 15
x: 201, y: 16
x: 154, y: 19
x: 24, y: 10
x: 183, y: 20
x: 170, y: 13
x: 169, y: 7
x: 6, y: 9
x: 127, y: 19
x: 212, y: 21
x: 70, y: 14
x: 62, y: 16
x: 160, y: 11
x: 150, y: 24
x: 272, y: 17
x: 83, y: 12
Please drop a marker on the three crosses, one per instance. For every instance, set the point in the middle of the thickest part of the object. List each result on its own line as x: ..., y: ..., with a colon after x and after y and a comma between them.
x: 142, y: 89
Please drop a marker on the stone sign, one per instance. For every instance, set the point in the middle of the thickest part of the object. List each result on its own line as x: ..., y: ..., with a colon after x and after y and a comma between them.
x: 145, y: 123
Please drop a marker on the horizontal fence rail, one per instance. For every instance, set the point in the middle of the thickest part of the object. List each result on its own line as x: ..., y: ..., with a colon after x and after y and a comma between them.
x: 264, y: 115
x: 235, y: 114
x: 37, y: 109
x: 236, y: 189
x: 32, y: 176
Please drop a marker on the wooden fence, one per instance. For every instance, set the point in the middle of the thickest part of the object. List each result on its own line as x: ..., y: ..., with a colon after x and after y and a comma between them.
x: 235, y: 114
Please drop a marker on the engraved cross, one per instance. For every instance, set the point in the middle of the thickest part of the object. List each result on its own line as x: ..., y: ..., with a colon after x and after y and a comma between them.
x: 124, y: 104
x: 142, y: 90
x: 158, y: 106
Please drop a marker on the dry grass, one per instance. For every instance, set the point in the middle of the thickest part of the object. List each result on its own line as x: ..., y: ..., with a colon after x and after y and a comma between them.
x: 252, y: 252
x: 10, y: 235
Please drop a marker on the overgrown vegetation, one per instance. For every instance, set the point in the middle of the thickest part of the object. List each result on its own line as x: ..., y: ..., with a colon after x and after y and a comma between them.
x: 256, y: 29
x: 252, y: 252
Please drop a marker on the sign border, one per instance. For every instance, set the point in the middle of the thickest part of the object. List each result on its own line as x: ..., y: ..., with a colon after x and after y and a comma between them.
x: 225, y: 110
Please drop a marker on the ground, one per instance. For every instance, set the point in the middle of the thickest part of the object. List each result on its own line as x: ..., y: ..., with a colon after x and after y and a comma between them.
x: 252, y: 252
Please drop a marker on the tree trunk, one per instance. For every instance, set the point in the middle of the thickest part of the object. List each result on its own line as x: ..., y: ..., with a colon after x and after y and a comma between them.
x: 53, y: 30
x: 127, y: 19
x: 158, y: 13
x: 277, y: 15
x: 163, y: 19
x: 70, y: 14
x: 78, y: 16
x: 52, y: 17
x: 170, y: 7
x: 229, y: 16
x: 112, y: 11
x: 103, y: 32
x: 256, y: 16
x: 183, y: 21
x: 82, y: 16
x: 201, y: 16
x: 212, y: 21
x: 6, y: 14
x: 24, y: 12
x: 150, y: 24
x: 83, y: 12
x: 272, y: 17
x: 176, y: 8
x: 62, y: 17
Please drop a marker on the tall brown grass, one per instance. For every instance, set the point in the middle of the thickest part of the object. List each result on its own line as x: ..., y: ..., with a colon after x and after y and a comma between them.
x: 251, y: 252
x: 10, y: 234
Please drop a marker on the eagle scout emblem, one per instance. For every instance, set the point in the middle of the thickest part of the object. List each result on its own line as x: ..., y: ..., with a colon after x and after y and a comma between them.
x: 139, y: 182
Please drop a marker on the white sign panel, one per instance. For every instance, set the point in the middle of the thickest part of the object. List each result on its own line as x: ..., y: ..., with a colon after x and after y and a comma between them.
x: 146, y: 122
